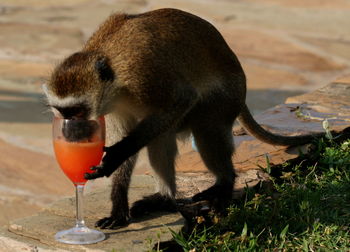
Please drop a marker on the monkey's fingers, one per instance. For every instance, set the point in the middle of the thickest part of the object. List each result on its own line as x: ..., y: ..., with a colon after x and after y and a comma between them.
x: 94, y: 175
x: 95, y: 168
x: 97, y: 174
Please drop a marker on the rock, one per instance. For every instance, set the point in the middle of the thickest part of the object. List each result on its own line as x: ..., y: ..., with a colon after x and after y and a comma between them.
x: 138, y: 236
x: 29, y: 180
x: 279, y: 51
x: 14, y: 205
x: 38, y: 41
x: 343, y: 79
x: 14, y: 169
x: 42, y: 3
x: 294, y: 117
x: 23, y: 72
x: 332, y: 99
x: 191, y: 183
x: 300, y: 115
x: 260, y: 77
x: 315, y: 4
x: 286, y: 48
x: 335, y: 47
x: 8, y: 244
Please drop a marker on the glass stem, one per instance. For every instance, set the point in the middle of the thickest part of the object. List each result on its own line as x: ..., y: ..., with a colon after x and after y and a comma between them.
x: 79, y: 190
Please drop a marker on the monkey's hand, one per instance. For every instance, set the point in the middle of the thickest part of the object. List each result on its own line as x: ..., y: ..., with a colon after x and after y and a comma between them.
x: 99, y: 172
x: 110, y: 162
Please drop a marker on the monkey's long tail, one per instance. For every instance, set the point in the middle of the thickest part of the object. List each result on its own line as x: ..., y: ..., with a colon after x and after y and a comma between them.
x: 248, y: 122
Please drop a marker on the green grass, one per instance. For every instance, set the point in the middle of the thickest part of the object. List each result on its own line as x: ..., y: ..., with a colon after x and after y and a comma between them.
x: 307, y: 208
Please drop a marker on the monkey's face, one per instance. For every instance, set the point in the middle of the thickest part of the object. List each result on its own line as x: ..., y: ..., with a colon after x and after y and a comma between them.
x: 79, y: 130
x: 79, y: 87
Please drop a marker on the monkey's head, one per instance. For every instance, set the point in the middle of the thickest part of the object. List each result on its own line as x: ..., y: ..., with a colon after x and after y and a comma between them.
x: 79, y: 87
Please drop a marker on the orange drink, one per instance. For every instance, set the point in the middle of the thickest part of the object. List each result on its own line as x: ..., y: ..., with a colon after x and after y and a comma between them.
x: 78, y: 145
x: 76, y: 158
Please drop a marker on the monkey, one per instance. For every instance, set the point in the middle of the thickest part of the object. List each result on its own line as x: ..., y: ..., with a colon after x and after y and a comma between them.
x: 78, y: 130
x: 156, y: 76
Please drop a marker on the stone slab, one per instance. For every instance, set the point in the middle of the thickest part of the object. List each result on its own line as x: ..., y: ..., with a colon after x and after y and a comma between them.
x: 141, y: 185
x: 331, y: 101
x: 10, y: 242
x: 313, y: 4
x: 29, y: 180
x: 300, y: 115
x: 30, y: 31
x: 280, y: 50
x: 191, y: 183
x: 140, y: 235
x: 17, y: 41
x: 344, y: 79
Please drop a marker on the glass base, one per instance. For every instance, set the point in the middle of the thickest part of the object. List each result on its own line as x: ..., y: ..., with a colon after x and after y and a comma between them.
x: 80, y: 235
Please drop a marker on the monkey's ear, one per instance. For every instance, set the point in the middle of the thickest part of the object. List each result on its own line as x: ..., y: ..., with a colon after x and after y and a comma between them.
x: 104, y: 70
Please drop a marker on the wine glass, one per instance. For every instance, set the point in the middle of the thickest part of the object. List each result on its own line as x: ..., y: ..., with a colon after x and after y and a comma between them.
x: 78, y: 145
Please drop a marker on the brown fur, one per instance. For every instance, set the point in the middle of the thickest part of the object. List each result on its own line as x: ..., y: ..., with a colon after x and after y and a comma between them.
x: 160, y: 73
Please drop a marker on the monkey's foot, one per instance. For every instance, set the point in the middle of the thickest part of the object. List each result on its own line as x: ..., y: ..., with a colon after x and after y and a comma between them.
x: 152, y: 203
x: 112, y: 222
x: 219, y: 196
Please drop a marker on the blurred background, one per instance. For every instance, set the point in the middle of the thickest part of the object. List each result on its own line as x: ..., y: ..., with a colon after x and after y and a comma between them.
x: 286, y: 47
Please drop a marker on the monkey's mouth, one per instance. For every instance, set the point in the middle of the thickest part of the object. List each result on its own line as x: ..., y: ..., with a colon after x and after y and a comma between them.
x: 79, y: 130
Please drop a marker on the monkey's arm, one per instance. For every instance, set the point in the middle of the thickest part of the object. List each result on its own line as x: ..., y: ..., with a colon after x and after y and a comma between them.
x: 148, y: 129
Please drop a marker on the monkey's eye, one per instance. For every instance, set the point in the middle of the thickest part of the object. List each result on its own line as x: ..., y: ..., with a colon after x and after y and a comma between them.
x: 78, y: 111
x: 104, y: 70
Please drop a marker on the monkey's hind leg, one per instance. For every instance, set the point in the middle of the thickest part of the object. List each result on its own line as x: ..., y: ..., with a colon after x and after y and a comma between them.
x: 117, y: 126
x: 119, y: 195
x: 215, y: 145
x: 162, y: 153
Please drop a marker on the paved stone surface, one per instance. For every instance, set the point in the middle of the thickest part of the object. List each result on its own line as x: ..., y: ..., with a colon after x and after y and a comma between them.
x: 312, y: 109
x: 300, y: 115
x: 140, y: 235
x: 26, y: 187
x: 9, y: 242
x: 286, y: 48
x: 344, y: 79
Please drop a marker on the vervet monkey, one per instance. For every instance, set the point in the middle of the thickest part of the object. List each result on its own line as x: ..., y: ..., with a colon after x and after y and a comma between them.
x: 155, y: 75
